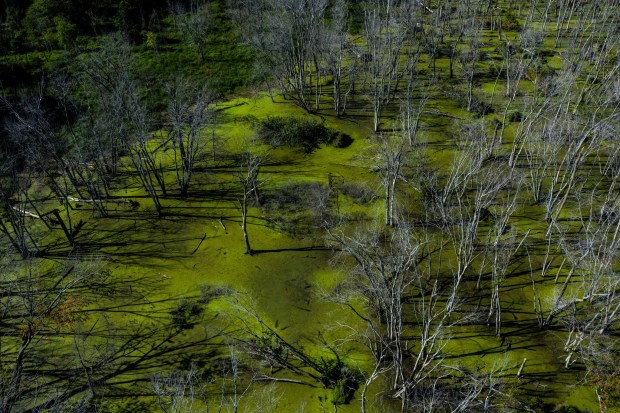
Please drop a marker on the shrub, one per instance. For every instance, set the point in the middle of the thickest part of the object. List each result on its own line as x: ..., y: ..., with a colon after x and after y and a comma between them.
x: 477, y: 107
x: 480, y: 107
x: 297, y: 195
x: 209, y: 293
x: 307, y: 134
x: 339, y: 139
x: 510, y: 23
x: 345, y: 386
x: 185, y: 315
x: 297, y: 208
x: 515, y: 116
x: 360, y: 193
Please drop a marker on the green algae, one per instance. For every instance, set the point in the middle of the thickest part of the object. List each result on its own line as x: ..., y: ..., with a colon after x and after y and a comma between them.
x: 198, y: 242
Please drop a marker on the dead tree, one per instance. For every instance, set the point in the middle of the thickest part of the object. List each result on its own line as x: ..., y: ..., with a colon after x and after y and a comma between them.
x: 193, y: 24
x: 338, y: 52
x: 385, y: 268
x: 247, y: 177
x: 384, y: 36
x: 188, y: 114
x: 391, y: 159
x: 128, y: 124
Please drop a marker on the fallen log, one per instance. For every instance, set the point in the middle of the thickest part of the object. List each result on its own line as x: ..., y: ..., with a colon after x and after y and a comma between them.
x: 26, y: 213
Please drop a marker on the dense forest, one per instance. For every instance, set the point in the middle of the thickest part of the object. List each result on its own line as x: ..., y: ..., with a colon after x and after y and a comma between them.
x: 309, y: 206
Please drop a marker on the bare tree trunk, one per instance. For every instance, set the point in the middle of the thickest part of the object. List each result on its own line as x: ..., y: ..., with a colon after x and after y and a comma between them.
x: 244, y: 224
x: 248, y: 179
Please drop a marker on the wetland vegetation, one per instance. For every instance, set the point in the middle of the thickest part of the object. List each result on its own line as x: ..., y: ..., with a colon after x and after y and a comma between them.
x: 309, y: 206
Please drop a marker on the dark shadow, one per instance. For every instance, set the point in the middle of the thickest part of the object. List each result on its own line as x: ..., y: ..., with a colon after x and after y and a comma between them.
x: 318, y: 248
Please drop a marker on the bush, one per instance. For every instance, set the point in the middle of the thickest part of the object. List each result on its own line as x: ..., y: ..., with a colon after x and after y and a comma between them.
x: 510, y: 23
x: 297, y: 208
x: 339, y: 139
x: 346, y: 386
x: 307, y: 134
x: 515, y: 116
x: 185, y: 315
x: 360, y: 193
x: 480, y: 107
x: 209, y: 293
x: 296, y: 195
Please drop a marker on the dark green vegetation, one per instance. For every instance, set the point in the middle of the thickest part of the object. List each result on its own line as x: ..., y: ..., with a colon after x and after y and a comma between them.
x: 309, y: 206
x: 297, y: 132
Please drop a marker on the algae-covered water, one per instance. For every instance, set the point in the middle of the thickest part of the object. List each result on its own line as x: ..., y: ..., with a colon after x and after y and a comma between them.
x: 179, y: 317
x: 197, y: 246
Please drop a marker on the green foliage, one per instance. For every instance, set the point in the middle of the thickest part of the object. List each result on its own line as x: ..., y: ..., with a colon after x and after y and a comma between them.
x: 11, y: 31
x: 356, y: 13
x: 52, y: 24
x: 39, y: 22
x: 135, y: 16
x: 306, y: 134
x: 150, y: 40
x: 64, y: 32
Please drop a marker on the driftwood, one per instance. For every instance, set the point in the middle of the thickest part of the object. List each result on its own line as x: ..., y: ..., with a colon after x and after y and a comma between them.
x: 520, y: 372
x: 440, y: 113
x: 26, y: 213
x: 130, y: 202
x: 276, y: 379
x: 86, y: 201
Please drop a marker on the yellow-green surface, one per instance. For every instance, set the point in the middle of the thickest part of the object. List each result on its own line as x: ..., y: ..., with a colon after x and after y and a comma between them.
x: 286, y: 275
